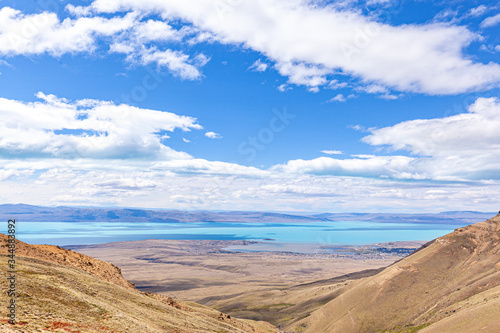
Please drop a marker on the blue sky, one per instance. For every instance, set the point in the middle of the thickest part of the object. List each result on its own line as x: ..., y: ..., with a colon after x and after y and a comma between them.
x: 272, y: 105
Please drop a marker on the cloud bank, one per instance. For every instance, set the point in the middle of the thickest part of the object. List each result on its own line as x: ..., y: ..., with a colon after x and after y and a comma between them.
x: 55, y: 151
x: 463, y: 147
x: 311, y: 44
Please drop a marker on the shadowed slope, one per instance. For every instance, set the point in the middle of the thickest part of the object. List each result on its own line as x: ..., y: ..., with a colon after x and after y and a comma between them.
x: 440, y: 285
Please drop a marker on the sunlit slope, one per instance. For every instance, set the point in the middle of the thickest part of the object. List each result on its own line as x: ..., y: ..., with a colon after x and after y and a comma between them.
x: 54, y: 297
x: 450, y: 285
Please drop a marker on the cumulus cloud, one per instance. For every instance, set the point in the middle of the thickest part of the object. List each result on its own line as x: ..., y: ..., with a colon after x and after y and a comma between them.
x: 177, y: 62
x: 259, y: 66
x: 332, y: 152
x: 88, y: 151
x: 336, y: 84
x: 491, y: 21
x: 57, y: 128
x: 311, y: 43
x: 94, y: 152
x: 369, y: 166
x: 463, y: 147
x: 97, y: 136
x: 213, y: 135
x: 464, y: 134
x: 142, y: 187
x: 283, y: 87
x: 44, y: 33
x: 340, y: 98
x: 478, y: 11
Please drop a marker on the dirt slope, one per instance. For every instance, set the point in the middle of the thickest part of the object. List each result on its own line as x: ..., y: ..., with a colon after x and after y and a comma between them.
x: 101, y: 269
x: 451, y: 285
x: 63, y: 291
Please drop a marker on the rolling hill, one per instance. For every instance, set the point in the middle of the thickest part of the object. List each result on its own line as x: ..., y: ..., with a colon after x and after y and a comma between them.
x: 451, y: 284
x: 59, y: 290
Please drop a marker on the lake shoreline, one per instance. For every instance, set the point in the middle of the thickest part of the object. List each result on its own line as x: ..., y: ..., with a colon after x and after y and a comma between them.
x: 402, y: 247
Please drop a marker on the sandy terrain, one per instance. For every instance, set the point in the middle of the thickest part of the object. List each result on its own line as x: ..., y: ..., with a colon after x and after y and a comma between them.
x: 196, y: 269
x: 248, y: 284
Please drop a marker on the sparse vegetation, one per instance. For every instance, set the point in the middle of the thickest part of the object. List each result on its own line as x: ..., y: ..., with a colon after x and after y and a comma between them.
x: 57, y: 298
x: 280, y: 305
x: 451, y: 285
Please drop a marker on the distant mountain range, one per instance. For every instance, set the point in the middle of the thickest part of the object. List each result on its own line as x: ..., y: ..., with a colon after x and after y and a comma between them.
x: 30, y: 213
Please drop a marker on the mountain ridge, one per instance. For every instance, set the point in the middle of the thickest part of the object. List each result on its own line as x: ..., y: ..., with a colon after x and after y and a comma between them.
x: 31, y: 213
x: 424, y: 290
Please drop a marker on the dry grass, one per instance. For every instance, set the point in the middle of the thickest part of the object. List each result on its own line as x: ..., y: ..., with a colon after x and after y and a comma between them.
x: 244, y: 285
x: 55, y: 298
x: 443, y: 286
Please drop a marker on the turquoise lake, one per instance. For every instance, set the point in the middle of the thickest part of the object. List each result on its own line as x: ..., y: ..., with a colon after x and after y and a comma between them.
x: 322, y: 233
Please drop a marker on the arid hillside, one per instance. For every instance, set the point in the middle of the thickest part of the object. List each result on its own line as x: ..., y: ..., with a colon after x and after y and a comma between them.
x: 101, y: 269
x: 63, y: 291
x: 450, y: 285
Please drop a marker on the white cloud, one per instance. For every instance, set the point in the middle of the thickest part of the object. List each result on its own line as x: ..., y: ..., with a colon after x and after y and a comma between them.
x: 135, y: 45
x: 335, y: 84
x: 213, y: 135
x: 378, y: 2
x: 332, y: 152
x: 491, y: 21
x: 375, y: 89
x: 478, y: 11
x: 177, y: 62
x: 447, y: 15
x: 341, y: 98
x: 259, y: 66
x: 152, y: 30
x: 143, y: 186
x: 9, y: 173
x: 78, y: 11
x: 311, y: 42
x: 129, y: 167
x: 186, y: 140
x: 338, y: 98
x: 497, y: 48
x: 45, y: 33
x: 304, y: 74
x: 373, y: 167
x: 283, y: 87
x: 463, y: 147
x: 58, y: 128
x: 465, y: 134
x: 379, y: 90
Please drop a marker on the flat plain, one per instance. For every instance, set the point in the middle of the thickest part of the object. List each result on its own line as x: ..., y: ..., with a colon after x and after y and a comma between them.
x: 279, y: 287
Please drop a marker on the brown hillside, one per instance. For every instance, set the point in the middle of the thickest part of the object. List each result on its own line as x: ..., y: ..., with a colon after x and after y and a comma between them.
x: 451, y: 285
x: 56, y: 293
x: 101, y: 269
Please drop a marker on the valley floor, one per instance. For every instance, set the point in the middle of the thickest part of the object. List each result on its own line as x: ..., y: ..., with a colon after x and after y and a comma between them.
x: 278, y: 287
